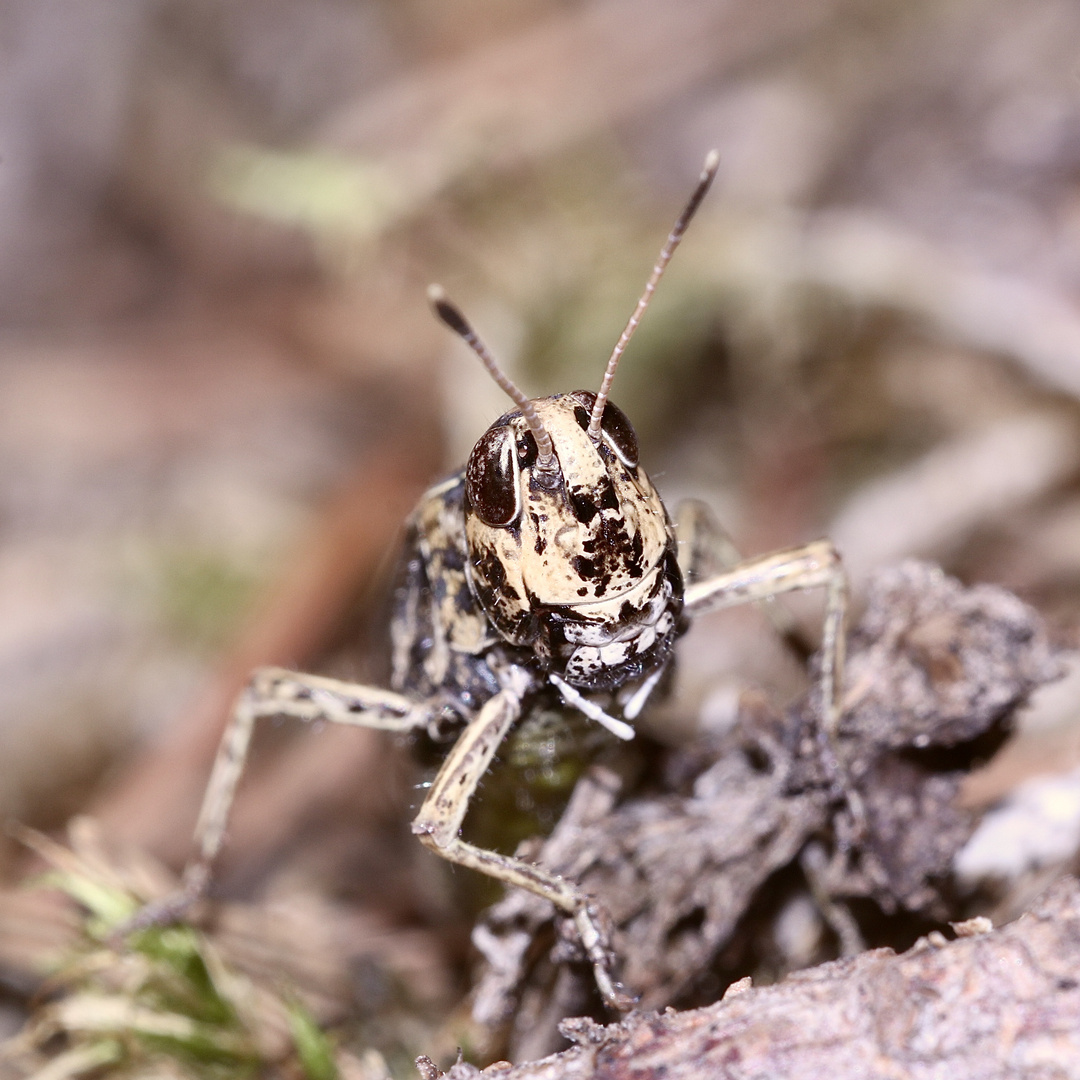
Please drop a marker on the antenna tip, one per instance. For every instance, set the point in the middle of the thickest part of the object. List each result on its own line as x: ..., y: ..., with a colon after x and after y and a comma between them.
x: 446, y: 312
x: 712, y: 163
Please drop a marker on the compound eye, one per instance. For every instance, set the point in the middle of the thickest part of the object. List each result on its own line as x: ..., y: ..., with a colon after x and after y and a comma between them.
x: 620, y: 434
x: 491, y: 478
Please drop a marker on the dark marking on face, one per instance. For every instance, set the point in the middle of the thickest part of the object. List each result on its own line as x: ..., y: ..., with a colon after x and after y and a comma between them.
x: 526, y: 450
x: 540, y: 544
x: 615, y: 542
x: 490, y: 569
x: 584, y: 508
x: 586, y: 568
x: 514, y: 626
x: 634, y: 565
x: 608, y: 499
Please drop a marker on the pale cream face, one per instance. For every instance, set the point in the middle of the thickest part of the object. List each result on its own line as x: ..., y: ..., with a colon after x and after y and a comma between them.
x: 578, y: 562
x: 580, y: 557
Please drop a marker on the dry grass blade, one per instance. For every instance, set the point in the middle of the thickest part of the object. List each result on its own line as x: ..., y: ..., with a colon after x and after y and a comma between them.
x: 166, y: 1003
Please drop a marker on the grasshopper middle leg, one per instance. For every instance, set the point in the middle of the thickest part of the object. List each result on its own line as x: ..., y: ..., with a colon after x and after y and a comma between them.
x: 273, y: 692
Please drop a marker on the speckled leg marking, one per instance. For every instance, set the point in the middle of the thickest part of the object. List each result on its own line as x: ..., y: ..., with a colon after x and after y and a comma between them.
x: 273, y: 692
x: 815, y: 565
x: 439, y: 822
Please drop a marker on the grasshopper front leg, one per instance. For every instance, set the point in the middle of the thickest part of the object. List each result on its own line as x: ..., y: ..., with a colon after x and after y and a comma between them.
x: 706, y: 549
x: 443, y: 811
x: 812, y: 566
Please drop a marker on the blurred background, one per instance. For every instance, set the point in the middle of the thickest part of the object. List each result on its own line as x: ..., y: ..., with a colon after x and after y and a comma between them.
x: 221, y: 390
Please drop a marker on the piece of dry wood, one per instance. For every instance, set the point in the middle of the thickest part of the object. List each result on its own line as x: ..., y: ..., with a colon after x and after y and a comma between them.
x: 935, y: 672
x: 986, y: 1006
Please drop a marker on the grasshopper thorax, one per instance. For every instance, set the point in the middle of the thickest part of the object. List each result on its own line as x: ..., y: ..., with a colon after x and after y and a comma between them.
x: 576, y: 559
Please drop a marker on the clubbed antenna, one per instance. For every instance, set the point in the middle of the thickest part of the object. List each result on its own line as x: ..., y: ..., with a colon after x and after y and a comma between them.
x: 707, y: 173
x: 451, y: 315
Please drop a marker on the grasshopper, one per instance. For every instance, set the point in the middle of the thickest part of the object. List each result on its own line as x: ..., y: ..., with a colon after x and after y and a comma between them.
x: 547, y: 569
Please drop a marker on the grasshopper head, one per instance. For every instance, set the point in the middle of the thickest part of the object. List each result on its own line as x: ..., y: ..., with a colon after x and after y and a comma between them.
x: 571, y: 552
x: 576, y: 558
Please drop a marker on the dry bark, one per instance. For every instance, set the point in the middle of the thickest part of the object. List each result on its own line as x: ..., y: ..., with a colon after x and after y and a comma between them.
x: 983, y: 1007
x: 935, y: 672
